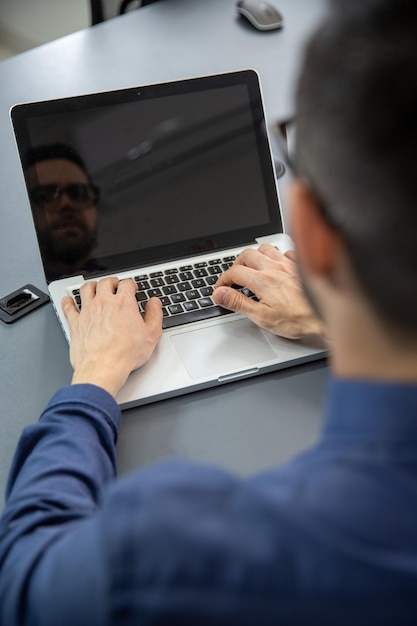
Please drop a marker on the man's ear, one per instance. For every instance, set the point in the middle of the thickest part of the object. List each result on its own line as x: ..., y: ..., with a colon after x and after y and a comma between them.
x: 315, y: 239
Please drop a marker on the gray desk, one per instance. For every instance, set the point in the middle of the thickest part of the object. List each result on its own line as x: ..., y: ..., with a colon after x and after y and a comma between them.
x: 245, y: 426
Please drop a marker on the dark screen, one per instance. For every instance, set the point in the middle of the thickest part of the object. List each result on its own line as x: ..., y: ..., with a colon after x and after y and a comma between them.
x: 178, y: 168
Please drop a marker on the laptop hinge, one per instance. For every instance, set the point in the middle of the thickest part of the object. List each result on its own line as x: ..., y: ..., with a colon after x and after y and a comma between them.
x: 99, y: 273
x: 160, y: 260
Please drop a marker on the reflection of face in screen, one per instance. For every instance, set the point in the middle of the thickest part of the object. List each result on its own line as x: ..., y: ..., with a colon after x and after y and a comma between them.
x: 63, y: 202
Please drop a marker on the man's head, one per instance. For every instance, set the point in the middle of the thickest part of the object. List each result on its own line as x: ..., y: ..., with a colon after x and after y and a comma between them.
x: 357, y: 145
x: 63, y: 201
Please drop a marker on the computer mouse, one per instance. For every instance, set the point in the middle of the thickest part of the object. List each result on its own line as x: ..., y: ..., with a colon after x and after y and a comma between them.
x: 262, y: 15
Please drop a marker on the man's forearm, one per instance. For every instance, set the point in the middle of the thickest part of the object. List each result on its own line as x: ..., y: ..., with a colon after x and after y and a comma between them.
x: 59, y: 469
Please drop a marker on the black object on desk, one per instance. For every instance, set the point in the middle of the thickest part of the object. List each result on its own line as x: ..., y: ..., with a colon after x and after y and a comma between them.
x: 21, y: 302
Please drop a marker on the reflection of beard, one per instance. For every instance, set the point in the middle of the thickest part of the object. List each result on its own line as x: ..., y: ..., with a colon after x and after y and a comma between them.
x: 68, y: 248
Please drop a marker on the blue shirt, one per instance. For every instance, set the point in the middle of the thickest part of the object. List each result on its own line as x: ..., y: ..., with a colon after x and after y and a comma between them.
x: 330, y: 538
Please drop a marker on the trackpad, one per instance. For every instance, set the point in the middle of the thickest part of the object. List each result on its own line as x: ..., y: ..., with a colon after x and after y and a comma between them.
x: 217, y: 350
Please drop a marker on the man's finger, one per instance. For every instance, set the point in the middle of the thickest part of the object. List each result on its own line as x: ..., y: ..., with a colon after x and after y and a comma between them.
x: 239, y: 275
x: 292, y: 255
x: 107, y: 285
x: 233, y: 300
x: 127, y: 285
x: 271, y: 252
x: 251, y: 258
x: 153, y: 316
x: 88, y: 291
x: 70, y: 311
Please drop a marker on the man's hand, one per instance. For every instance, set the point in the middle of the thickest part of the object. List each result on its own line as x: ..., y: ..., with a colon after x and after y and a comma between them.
x: 109, y: 338
x: 272, y: 277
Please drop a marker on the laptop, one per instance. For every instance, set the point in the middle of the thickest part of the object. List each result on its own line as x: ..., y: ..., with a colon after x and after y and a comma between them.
x: 165, y: 184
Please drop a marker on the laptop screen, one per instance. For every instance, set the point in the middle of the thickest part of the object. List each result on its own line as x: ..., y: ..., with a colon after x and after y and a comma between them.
x: 136, y: 176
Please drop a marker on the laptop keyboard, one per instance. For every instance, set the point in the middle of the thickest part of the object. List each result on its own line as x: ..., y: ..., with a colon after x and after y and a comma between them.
x: 185, y: 291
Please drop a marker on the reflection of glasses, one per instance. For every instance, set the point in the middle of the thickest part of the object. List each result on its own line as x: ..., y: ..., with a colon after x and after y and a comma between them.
x: 49, y: 196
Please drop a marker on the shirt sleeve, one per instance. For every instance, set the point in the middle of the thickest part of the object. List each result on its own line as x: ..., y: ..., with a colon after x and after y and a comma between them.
x: 59, y: 470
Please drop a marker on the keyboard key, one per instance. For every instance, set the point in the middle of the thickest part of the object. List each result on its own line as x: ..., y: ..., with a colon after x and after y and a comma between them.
x: 155, y: 274
x: 140, y: 296
x: 215, y: 261
x: 193, y: 294
x: 186, y: 276
x: 190, y: 306
x: 171, y: 279
x: 212, y: 280
x: 247, y: 292
x: 141, y: 277
x: 172, y: 270
x: 200, y: 264
x: 169, y: 289
x: 194, y: 316
x: 154, y: 292
x: 157, y: 282
x: 197, y: 283
x: 184, y: 286
x: 142, y: 285
x: 200, y: 273
x: 204, y: 302
x: 177, y: 297
x: 186, y: 268
x: 215, y: 269
x: 206, y: 291
x: 174, y: 309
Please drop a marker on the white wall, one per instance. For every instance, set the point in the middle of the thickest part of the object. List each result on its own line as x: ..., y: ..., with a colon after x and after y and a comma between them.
x: 25, y: 24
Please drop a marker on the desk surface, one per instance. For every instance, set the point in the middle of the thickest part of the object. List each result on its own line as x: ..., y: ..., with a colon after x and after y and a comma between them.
x: 245, y: 426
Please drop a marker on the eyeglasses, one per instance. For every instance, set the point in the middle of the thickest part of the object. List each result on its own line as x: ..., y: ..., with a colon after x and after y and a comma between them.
x: 83, y: 196
x: 283, y: 132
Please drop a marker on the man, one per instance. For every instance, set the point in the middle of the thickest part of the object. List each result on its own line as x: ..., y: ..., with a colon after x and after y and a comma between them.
x: 330, y: 538
x: 64, y: 207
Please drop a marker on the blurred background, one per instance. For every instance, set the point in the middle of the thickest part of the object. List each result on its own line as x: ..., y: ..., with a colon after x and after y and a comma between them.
x: 27, y: 24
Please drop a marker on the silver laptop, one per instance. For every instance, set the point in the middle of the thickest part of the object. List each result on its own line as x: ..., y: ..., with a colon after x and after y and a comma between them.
x: 165, y: 184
